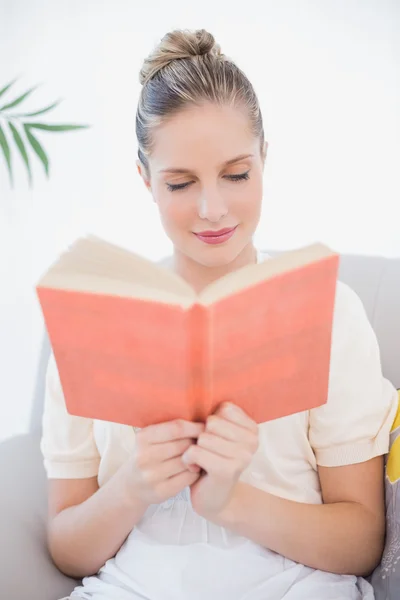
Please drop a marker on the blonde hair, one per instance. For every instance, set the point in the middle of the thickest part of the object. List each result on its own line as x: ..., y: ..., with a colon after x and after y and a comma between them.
x: 187, y: 69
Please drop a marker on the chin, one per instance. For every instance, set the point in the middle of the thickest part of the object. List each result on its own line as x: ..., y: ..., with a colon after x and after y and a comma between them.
x: 217, y: 256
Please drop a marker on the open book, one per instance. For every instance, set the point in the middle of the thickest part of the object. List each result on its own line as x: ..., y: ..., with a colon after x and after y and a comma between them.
x: 135, y: 345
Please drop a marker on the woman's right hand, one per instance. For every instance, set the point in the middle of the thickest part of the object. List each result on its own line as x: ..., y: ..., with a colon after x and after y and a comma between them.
x: 155, y: 471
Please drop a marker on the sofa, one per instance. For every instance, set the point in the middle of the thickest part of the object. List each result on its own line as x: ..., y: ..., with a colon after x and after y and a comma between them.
x: 26, y: 569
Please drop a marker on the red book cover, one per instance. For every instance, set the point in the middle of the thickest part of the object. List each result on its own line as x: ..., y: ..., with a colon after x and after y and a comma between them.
x: 139, y: 361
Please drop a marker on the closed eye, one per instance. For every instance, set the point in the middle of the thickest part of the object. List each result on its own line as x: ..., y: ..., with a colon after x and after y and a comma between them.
x: 178, y: 186
x: 239, y: 176
x: 181, y: 186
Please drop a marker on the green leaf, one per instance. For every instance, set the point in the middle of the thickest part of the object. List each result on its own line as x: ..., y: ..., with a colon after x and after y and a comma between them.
x: 38, y: 112
x: 21, y: 148
x: 18, y: 100
x: 7, y: 154
x: 7, y: 87
x: 57, y: 127
x: 37, y: 148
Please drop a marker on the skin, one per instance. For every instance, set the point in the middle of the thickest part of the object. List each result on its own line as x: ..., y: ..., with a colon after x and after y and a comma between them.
x: 201, y: 140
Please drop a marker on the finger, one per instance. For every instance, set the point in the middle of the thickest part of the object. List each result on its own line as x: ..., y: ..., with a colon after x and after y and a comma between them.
x: 235, y: 414
x: 172, y: 486
x: 164, y: 451
x: 210, y: 462
x: 171, y: 467
x: 218, y: 445
x: 232, y: 432
x: 171, y: 430
x: 193, y: 468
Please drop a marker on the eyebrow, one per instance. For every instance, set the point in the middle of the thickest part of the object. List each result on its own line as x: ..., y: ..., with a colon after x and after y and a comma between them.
x: 225, y: 164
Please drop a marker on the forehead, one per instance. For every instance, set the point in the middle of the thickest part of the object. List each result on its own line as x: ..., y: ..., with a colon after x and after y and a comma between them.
x: 202, y: 135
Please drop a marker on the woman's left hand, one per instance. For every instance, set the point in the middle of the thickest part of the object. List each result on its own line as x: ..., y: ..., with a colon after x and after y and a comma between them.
x: 223, y: 450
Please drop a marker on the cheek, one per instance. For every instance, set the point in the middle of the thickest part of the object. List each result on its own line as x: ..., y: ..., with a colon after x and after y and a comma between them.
x: 247, y: 205
x: 176, y: 214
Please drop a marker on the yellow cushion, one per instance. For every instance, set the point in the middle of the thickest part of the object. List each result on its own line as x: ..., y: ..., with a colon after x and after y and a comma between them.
x: 396, y: 423
x: 393, y: 461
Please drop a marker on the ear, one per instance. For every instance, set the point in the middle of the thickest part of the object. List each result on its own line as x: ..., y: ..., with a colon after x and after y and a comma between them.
x: 142, y: 173
x: 265, y: 153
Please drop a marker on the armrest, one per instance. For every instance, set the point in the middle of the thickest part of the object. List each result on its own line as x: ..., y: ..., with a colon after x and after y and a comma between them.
x: 26, y: 568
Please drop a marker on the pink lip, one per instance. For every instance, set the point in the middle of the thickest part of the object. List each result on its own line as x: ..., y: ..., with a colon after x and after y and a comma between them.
x: 216, y: 237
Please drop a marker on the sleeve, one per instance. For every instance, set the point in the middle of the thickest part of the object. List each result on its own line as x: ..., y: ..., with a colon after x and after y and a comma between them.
x: 354, y: 425
x: 67, y: 443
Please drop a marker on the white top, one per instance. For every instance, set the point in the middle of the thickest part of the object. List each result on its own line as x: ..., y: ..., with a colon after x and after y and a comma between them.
x: 173, y: 552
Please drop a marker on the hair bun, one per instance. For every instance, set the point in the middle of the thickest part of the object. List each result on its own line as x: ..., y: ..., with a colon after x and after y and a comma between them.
x: 175, y: 45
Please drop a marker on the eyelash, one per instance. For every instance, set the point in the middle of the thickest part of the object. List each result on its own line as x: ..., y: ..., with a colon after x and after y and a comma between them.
x: 181, y: 186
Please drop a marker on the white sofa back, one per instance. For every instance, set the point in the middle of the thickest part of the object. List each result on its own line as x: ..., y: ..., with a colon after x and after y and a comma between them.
x: 377, y: 281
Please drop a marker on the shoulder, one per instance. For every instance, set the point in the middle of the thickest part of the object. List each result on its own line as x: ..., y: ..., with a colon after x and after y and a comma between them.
x: 354, y: 424
x: 347, y: 300
x: 350, y: 319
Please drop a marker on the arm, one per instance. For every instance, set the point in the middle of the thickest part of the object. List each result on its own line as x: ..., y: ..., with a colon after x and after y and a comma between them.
x: 87, y: 525
x: 344, y: 535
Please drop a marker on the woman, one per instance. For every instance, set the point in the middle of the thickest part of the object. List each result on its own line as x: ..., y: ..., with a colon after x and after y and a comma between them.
x: 288, y: 509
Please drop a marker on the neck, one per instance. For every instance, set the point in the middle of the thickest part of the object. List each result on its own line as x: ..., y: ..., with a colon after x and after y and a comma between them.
x: 199, y: 276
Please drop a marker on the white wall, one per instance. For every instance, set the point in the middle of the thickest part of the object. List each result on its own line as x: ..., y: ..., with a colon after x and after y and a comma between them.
x: 328, y: 78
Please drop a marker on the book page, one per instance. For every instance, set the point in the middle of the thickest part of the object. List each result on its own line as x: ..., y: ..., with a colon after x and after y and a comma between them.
x: 251, y: 274
x: 92, y: 256
x: 105, y: 286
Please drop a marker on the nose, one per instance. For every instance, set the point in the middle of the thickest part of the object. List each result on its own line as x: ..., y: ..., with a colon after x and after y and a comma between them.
x: 212, y: 206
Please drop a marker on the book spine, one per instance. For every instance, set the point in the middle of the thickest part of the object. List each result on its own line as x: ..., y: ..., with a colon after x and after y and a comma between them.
x: 198, y: 362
